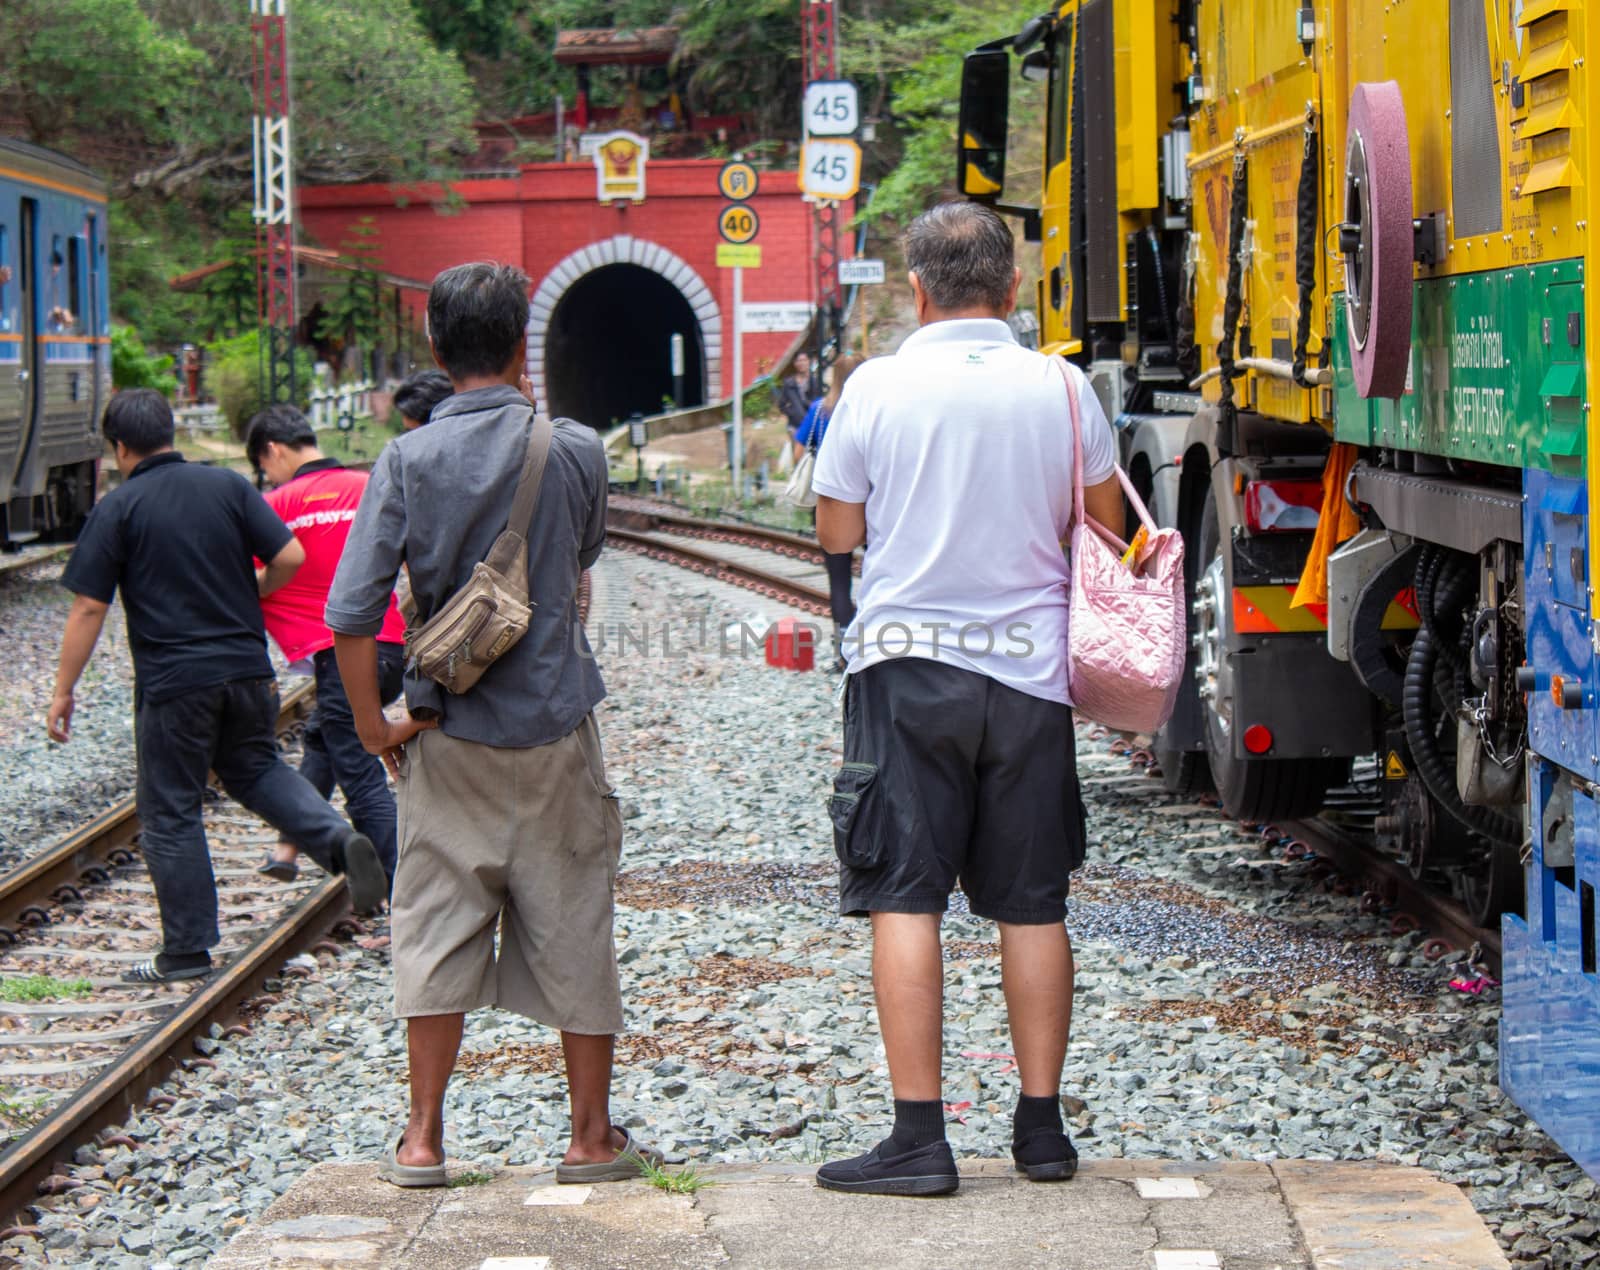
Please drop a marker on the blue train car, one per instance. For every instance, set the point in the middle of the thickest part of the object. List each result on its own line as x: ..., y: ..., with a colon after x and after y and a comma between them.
x: 55, y: 353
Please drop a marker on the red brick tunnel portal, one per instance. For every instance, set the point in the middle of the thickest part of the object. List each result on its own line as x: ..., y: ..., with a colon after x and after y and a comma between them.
x: 608, y: 347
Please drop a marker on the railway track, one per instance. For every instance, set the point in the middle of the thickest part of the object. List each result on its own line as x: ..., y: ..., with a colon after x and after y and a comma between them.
x: 77, y: 915
x: 730, y: 553
x: 1340, y: 838
x: 97, y: 1050
x: 30, y: 556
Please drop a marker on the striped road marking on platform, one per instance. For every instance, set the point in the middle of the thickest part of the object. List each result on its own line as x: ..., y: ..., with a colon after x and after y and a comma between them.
x: 1175, y: 1259
x: 525, y: 1263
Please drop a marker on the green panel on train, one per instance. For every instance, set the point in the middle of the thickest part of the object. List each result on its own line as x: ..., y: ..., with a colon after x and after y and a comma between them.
x: 1496, y: 372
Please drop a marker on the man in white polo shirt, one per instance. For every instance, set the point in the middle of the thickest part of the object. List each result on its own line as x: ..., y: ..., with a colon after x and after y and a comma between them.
x: 953, y: 461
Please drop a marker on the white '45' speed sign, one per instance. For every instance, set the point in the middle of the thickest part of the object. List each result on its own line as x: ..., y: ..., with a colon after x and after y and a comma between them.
x: 830, y: 169
x: 831, y: 108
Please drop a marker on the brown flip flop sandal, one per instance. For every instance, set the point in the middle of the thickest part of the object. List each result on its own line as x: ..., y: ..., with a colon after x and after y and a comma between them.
x: 392, y: 1171
x: 628, y: 1164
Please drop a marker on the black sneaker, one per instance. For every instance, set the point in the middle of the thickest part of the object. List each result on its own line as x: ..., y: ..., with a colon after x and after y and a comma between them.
x: 1045, y: 1155
x: 363, y: 874
x: 929, y: 1170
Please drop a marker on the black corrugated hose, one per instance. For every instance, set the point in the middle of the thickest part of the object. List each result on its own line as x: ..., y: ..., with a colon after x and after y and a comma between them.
x: 1233, y: 301
x: 1305, y: 247
x: 1443, y: 585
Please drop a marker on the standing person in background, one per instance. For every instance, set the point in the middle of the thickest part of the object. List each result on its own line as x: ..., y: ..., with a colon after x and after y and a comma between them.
x: 794, y: 393
x: 317, y: 497
x: 179, y: 541
x: 507, y: 819
x: 418, y: 395
x: 954, y: 459
x: 813, y: 428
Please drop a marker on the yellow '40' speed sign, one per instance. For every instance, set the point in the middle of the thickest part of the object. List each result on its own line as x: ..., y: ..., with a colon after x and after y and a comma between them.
x: 738, y: 223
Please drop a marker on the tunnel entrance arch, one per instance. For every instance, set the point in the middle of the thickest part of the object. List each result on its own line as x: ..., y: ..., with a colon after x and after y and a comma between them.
x: 607, y: 350
x: 599, y: 332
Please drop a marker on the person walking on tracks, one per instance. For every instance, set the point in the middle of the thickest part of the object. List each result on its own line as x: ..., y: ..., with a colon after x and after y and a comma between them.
x: 506, y: 817
x: 953, y: 461
x: 317, y: 498
x: 180, y: 541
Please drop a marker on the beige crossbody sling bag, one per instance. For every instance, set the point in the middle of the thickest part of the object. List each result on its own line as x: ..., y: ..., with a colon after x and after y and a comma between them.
x: 487, y: 616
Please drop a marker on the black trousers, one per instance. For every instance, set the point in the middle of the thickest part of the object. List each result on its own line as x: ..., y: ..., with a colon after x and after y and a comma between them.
x: 230, y: 729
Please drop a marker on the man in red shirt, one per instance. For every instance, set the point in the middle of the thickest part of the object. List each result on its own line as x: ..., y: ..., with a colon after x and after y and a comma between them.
x: 316, y: 497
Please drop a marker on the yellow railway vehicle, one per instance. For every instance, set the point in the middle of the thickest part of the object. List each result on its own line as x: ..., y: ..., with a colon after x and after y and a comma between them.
x: 1324, y: 263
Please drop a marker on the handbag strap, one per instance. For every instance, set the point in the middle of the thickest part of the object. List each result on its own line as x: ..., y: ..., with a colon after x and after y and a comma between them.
x: 509, y: 555
x: 1079, y: 515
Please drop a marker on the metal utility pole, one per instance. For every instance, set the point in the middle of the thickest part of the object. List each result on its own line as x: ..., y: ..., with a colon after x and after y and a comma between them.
x: 816, y: 37
x: 274, y: 199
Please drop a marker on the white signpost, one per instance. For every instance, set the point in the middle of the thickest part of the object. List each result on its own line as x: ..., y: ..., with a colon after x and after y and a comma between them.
x: 831, y: 108
x: 858, y: 273
x: 775, y: 315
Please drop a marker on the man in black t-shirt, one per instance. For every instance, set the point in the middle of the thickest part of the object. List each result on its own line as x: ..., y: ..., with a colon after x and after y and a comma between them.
x: 180, y: 542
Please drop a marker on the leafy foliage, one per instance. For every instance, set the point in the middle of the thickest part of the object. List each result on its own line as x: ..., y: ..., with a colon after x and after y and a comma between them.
x: 233, y: 375
x: 910, y: 58
x: 352, y: 309
x: 133, y: 366
x: 42, y: 988
x: 67, y: 65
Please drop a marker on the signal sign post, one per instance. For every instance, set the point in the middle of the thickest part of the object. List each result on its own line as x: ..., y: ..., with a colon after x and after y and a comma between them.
x: 738, y: 225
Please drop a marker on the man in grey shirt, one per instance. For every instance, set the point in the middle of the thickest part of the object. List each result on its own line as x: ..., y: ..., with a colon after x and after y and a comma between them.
x: 506, y: 816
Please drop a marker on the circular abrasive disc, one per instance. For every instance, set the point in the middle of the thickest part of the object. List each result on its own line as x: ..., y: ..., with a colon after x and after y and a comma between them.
x: 1378, y: 274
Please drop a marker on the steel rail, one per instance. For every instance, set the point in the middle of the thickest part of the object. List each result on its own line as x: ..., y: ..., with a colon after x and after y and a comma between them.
x: 53, y: 877
x: 112, y: 1095
x: 82, y: 856
x: 779, y: 540
x: 798, y: 594
x: 25, y: 559
x: 1390, y: 883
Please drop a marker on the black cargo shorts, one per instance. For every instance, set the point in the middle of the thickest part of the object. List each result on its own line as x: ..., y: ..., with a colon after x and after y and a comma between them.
x: 950, y: 775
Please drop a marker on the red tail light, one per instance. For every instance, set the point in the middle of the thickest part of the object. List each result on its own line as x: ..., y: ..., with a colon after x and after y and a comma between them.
x: 1274, y: 507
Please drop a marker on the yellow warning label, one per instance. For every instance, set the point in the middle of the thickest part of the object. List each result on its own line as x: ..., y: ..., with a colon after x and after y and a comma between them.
x: 1393, y: 768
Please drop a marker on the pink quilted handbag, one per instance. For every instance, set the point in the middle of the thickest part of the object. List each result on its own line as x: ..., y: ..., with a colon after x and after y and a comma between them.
x: 1127, y: 629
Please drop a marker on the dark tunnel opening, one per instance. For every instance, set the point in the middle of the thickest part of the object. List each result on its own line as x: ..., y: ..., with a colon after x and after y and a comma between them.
x: 607, y: 351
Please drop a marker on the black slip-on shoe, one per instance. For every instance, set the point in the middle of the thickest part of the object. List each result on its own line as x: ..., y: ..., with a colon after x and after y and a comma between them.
x: 363, y: 874
x: 929, y: 1170
x: 1045, y: 1155
x: 164, y: 969
x: 278, y: 870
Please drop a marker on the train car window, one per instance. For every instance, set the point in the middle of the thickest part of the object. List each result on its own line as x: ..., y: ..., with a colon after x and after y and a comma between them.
x: 1059, y: 114
x: 77, y: 309
x: 6, y: 268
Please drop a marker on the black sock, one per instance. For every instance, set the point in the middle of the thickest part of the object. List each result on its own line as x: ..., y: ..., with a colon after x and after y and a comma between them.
x: 917, y: 1124
x: 1035, y: 1113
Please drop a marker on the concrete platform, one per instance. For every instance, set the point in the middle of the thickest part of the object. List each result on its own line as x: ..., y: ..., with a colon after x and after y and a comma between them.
x: 1116, y: 1215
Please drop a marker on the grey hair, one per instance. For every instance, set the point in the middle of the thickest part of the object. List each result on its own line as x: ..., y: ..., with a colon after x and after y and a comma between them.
x: 477, y: 315
x: 963, y: 255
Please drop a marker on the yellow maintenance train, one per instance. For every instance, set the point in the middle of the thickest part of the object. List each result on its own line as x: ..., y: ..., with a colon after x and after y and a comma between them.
x: 1324, y: 263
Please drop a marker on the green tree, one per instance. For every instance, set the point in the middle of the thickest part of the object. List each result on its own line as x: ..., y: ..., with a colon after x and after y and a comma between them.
x: 373, y: 97
x: 233, y: 376
x: 911, y: 64
x: 100, y: 65
x: 352, y: 308
x: 134, y: 366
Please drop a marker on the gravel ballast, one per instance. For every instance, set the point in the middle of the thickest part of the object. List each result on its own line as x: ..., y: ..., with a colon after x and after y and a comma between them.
x: 1228, y: 1005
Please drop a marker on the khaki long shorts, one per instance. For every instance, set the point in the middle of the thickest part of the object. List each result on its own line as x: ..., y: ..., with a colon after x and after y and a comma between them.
x: 526, y: 839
